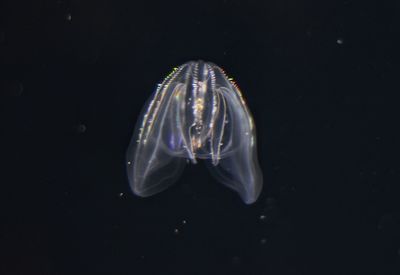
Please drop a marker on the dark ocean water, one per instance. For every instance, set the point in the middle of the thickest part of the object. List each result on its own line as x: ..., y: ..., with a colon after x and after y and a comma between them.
x: 321, y: 80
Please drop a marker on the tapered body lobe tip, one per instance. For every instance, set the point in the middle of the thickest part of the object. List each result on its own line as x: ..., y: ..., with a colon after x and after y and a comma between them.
x: 197, y: 112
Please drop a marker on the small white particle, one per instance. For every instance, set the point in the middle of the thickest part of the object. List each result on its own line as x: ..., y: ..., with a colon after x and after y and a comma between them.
x: 81, y: 128
x: 121, y: 194
x: 68, y: 17
x: 263, y: 241
x: 176, y: 231
x: 184, y: 222
x: 129, y: 163
x: 262, y: 217
x: 339, y: 41
x: 236, y: 260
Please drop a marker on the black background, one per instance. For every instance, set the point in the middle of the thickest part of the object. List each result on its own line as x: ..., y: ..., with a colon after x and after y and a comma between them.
x: 320, y: 77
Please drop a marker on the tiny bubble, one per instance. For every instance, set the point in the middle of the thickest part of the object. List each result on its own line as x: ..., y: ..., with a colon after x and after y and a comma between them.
x: 236, y: 260
x: 270, y: 201
x: 13, y: 88
x: 81, y: 128
x: 263, y: 241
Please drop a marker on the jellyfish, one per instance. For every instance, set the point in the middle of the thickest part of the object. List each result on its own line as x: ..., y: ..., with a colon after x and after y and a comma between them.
x: 196, y: 113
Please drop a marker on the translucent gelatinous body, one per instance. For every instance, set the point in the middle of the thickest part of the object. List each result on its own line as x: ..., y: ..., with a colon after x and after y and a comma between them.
x: 197, y: 112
